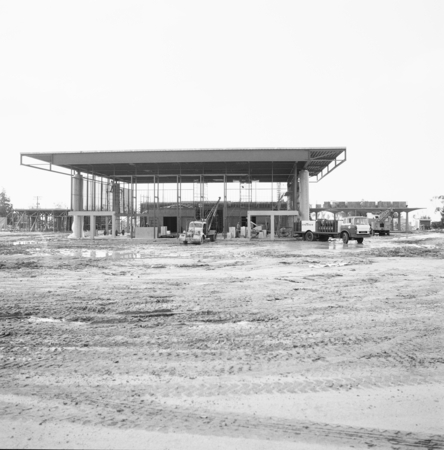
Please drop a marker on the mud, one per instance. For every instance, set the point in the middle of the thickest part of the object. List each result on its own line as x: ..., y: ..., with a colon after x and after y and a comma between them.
x: 233, y: 344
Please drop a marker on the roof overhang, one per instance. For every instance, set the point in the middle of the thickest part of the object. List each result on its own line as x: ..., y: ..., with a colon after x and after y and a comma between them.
x: 261, y: 164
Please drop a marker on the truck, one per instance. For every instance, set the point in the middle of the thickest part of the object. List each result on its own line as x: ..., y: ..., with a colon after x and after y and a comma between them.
x: 201, y: 230
x: 349, y: 228
x: 380, y: 224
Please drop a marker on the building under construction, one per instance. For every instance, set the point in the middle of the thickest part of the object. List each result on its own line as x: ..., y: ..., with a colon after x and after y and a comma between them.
x: 38, y: 219
x: 160, y: 191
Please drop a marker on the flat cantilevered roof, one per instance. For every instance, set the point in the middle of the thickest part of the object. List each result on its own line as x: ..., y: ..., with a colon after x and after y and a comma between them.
x: 261, y: 164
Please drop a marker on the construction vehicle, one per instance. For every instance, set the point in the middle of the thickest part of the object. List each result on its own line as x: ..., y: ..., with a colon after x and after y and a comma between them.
x: 200, y: 230
x: 380, y: 224
x: 348, y: 228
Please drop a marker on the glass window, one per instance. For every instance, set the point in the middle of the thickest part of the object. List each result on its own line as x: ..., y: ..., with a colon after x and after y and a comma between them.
x: 361, y: 221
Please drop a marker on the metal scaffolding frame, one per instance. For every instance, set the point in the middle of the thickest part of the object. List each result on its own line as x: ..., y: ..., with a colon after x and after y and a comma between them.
x: 40, y: 220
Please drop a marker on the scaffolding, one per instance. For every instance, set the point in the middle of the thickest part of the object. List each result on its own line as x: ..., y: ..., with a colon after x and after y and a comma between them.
x: 41, y: 220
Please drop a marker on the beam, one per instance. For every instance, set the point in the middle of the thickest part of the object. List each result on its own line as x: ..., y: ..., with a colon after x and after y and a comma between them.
x: 92, y: 213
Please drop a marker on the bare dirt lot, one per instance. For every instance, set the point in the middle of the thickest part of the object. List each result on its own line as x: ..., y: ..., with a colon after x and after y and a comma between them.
x: 230, y: 345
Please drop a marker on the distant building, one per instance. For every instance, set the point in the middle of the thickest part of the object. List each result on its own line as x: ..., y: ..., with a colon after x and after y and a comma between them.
x: 424, y: 224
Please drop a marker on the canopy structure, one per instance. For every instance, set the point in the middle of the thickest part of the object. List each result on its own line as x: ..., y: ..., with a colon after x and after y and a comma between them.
x: 168, y: 188
x: 259, y: 164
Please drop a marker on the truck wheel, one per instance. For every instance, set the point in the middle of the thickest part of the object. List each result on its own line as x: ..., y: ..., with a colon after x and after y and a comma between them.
x: 185, y: 243
x: 309, y: 236
x: 344, y: 237
x: 360, y: 240
x: 201, y: 241
x: 388, y: 233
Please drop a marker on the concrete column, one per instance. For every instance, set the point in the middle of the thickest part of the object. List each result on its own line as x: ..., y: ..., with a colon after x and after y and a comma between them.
x: 179, y: 204
x: 272, y: 227
x: 92, y: 226
x: 92, y: 194
x: 407, y: 228
x: 113, y: 226
x: 116, y: 206
x: 248, y: 225
x: 116, y: 197
x: 225, y: 208
x: 304, y: 208
x: 289, y: 196
x: 399, y: 221
x: 77, y: 204
x: 295, y: 193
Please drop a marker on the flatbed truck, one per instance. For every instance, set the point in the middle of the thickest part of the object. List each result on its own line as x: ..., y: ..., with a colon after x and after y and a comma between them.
x: 349, y: 228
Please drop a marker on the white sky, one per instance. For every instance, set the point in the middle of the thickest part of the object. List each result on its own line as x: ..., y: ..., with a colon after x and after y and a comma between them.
x: 106, y: 75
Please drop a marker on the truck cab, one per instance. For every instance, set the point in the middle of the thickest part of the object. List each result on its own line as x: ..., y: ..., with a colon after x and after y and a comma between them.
x: 356, y: 228
x: 200, y: 230
x: 196, y: 233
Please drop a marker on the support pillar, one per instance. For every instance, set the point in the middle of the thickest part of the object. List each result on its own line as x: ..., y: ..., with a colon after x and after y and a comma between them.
x: 77, y: 204
x: 116, y: 207
x: 179, y: 204
x: 113, y: 226
x: 92, y: 193
x: 304, y: 208
x: 272, y: 227
x: 226, y: 208
x: 399, y: 221
x: 295, y: 205
x: 289, y: 195
x: 92, y: 226
x: 407, y: 227
x: 248, y: 225
x: 201, y: 197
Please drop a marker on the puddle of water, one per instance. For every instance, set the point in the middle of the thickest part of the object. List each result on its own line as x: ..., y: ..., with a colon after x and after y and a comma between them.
x: 319, y: 266
x: 99, y: 254
x: 224, y: 324
x: 151, y: 313
x: 24, y: 242
x: 336, y: 245
x: 34, y: 319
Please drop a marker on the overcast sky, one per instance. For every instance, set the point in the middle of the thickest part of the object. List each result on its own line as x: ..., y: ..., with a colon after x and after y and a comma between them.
x: 106, y: 75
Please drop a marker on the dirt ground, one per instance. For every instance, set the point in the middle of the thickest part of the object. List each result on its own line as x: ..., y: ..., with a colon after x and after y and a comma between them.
x: 230, y: 345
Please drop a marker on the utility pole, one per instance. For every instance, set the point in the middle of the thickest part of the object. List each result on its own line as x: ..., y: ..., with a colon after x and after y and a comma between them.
x: 38, y: 204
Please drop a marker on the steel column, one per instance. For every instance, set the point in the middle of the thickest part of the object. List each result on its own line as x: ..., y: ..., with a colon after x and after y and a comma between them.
x: 225, y: 231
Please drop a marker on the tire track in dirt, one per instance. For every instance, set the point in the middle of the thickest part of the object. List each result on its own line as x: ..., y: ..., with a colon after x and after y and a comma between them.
x: 128, y: 415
